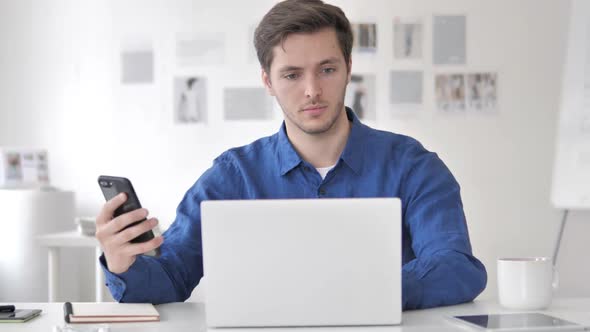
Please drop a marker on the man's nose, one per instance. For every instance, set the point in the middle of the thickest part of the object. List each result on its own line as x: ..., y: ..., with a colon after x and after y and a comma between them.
x: 313, y: 88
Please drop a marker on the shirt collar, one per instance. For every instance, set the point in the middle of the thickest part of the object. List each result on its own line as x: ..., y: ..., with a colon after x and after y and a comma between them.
x: 289, y: 158
x: 352, y: 154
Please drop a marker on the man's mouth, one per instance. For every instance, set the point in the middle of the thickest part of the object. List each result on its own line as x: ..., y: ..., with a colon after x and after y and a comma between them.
x: 314, y: 109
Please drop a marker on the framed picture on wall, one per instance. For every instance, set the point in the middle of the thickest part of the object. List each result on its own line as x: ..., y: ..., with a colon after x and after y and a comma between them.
x: 23, y: 168
x: 365, y: 37
x: 190, y: 99
x: 361, y: 96
x: 475, y: 92
x: 407, y: 39
x: 481, y: 92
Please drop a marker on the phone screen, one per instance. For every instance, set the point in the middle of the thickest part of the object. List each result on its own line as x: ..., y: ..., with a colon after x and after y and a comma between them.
x: 19, y: 315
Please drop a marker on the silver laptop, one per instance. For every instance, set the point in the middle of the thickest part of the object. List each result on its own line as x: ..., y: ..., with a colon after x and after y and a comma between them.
x: 302, y: 262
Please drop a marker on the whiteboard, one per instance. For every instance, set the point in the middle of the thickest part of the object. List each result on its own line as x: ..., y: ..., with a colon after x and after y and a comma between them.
x: 571, y: 171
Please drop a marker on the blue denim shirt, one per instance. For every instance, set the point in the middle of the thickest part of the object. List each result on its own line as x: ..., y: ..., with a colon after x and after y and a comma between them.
x: 438, y: 265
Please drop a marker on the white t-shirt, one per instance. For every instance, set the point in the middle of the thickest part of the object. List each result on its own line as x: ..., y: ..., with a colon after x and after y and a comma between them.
x: 324, y: 170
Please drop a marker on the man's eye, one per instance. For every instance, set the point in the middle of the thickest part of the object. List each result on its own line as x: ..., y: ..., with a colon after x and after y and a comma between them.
x: 291, y: 76
x: 328, y: 70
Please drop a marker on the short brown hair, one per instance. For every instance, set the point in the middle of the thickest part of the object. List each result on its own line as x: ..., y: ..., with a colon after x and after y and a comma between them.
x: 299, y: 16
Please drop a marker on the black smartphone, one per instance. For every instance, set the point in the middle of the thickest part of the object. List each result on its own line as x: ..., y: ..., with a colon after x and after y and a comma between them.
x: 19, y: 315
x: 111, y: 186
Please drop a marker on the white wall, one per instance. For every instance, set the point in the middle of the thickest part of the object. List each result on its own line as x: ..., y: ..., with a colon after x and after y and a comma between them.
x: 59, y: 90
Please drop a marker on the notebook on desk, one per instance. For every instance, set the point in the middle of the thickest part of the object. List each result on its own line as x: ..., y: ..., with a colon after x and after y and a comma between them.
x: 304, y: 262
x: 109, y: 312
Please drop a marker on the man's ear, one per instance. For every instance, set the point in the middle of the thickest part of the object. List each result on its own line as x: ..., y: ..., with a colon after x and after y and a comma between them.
x: 267, y: 83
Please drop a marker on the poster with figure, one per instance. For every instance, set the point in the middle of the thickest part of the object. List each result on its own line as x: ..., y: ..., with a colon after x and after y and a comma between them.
x: 360, y: 96
x: 481, y: 94
x: 471, y: 92
x: 407, y: 39
x: 450, y: 92
x: 12, y: 168
x: 190, y: 99
x: 364, y: 37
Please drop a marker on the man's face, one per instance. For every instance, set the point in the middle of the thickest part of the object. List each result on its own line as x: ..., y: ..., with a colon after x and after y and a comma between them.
x: 308, y: 76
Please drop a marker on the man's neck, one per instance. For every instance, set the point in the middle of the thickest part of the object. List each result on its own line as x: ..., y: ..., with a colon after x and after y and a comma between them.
x: 322, y: 150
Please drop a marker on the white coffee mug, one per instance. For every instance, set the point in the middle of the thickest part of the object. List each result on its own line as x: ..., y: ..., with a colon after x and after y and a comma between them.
x: 526, y: 283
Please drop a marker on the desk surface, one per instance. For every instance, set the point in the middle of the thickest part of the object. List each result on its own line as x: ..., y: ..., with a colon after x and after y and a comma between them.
x: 190, y: 317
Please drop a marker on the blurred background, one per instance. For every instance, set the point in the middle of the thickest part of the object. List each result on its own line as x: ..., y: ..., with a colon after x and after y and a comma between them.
x: 95, y: 84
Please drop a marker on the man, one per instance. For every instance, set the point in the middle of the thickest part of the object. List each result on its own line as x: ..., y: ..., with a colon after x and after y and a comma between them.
x: 321, y: 150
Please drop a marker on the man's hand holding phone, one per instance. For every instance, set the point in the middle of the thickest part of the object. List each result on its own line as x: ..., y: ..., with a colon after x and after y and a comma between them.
x: 114, y: 237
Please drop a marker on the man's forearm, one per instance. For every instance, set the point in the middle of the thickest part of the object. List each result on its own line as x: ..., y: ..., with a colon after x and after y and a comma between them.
x: 448, y: 277
x: 146, y: 281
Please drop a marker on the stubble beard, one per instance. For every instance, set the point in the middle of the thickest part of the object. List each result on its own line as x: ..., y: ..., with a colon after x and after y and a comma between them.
x: 325, y: 127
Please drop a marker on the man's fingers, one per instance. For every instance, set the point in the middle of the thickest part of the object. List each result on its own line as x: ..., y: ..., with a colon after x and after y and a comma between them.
x: 134, y: 249
x: 135, y: 231
x: 106, y: 213
x: 122, y: 221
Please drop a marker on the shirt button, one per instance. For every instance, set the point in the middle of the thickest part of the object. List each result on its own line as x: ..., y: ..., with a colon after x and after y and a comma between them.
x: 322, y: 191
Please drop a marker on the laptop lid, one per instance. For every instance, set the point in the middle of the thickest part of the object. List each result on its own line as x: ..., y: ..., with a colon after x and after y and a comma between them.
x: 302, y: 262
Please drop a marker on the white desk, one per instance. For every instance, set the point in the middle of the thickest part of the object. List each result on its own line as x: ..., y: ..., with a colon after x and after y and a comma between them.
x: 70, y: 239
x: 190, y: 317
